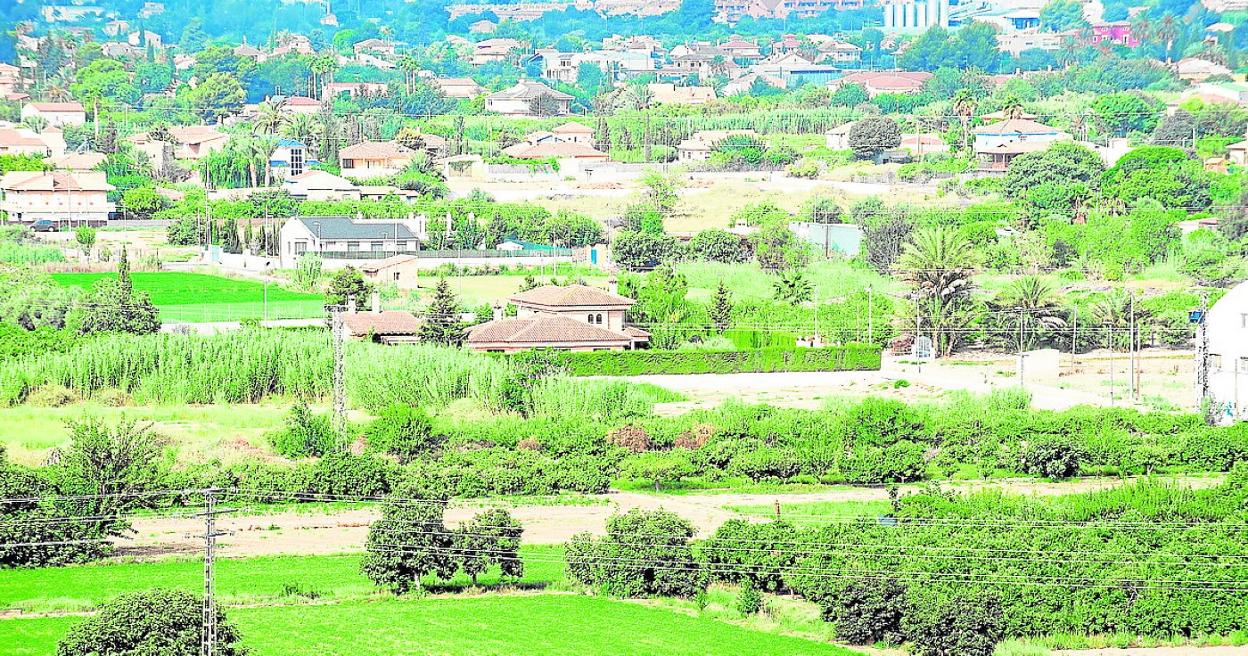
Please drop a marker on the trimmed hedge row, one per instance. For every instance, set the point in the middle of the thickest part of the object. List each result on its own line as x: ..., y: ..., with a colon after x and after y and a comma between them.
x: 851, y: 357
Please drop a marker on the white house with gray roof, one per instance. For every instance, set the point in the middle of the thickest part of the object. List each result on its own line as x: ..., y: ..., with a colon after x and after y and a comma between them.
x: 342, y: 240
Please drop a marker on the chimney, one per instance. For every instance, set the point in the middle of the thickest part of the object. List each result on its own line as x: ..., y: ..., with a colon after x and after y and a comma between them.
x: 376, y: 302
x: 498, y: 311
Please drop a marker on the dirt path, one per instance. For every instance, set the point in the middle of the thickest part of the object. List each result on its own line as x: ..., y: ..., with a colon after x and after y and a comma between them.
x: 311, y: 533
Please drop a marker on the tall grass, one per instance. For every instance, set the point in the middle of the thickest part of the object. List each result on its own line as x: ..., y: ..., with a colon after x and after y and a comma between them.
x: 247, y: 366
x: 12, y: 252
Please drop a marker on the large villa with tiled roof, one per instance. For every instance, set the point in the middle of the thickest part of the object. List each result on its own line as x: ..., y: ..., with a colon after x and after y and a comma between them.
x: 571, y: 318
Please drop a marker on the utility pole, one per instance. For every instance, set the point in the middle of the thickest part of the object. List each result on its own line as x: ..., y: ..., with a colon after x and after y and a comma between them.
x: 338, y: 328
x: 1074, y: 340
x: 1202, y: 356
x: 870, y: 314
x: 208, y: 638
x: 1131, y: 386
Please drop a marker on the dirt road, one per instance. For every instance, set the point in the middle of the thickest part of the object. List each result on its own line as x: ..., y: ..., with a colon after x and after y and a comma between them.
x: 299, y: 532
x: 1159, y: 651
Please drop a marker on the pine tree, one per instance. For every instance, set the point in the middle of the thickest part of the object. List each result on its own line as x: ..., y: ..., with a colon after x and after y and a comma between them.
x: 442, y: 325
x: 721, y: 309
x: 124, y: 283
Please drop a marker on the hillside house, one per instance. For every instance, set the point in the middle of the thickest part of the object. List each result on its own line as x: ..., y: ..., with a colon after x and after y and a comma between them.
x: 20, y: 141
x: 58, y: 114
x: 571, y: 318
x: 378, y: 47
x: 374, y: 159
x: 495, y: 51
x: 320, y: 185
x: 741, y: 50
x: 77, y: 162
x: 401, y: 271
x: 997, y: 144
x: 380, y: 326
x: 670, y: 94
x: 523, y: 100
x: 699, y: 146
x: 28, y: 196
x: 293, y: 105
x: 355, y: 89
x: 1194, y: 69
x: 572, y: 132
x: 458, y: 87
x: 878, y: 82
x: 342, y: 238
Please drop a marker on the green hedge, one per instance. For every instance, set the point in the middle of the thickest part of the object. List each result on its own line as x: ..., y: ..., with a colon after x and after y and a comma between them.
x: 852, y: 357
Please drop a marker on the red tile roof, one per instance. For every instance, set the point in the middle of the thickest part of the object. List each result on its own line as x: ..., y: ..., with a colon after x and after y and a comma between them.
x: 389, y: 322
x: 544, y: 330
x: 571, y: 296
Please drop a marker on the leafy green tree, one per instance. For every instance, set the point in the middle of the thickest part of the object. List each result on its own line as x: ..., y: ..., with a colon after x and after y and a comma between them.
x: 442, y: 324
x: 490, y: 538
x: 1035, y: 310
x: 85, y: 236
x: 1062, y: 15
x: 116, y: 307
x: 1059, y: 178
x: 792, y: 287
x: 347, y: 285
x: 1123, y: 113
x: 721, y: 309
x: 823, y: 210
x: 873, y: 135
x: 157, y: 622
x: 1177, y: 130
x: 213, y: 99
x: 402, y: 431
x: 409, y: 540
x: 643, y: 554
x: 659, y: 467
x: 777, y: 248
x: 715, y: 245
x: 636, y: 251
x: 969, y: 623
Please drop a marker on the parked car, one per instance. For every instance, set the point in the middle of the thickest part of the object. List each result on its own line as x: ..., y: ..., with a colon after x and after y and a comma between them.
x: 45, y: 225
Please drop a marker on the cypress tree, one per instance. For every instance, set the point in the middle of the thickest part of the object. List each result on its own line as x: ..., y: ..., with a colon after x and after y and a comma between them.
x: 442, y: 325
x: 721, y: 309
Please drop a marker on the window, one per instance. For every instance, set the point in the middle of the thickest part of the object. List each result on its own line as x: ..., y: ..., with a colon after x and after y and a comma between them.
x: 589, y: 319
x: 301, y: 247
x: 376, y: 246
x: 396, y: 276
x: 599, y: 319
x: 1215, y: 362
x: 296, y: 161
x: 348, y: 163
x: 353, y: 247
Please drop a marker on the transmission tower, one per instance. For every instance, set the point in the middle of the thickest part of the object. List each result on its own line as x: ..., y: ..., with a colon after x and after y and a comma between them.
x: 208, y: 638
x: 338, y: 328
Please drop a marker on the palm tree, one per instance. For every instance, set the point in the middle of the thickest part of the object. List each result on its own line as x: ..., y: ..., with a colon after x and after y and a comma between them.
x: 37, y: 124
x: 1032, y: 301
x: 270, y: 117
x: 409, y: 66
x: 1167, y: 31
x: 323, y: 67
x: 639, y: 97
x: 936, y: 262
x: 964, y: 106
x: 260, y: 148
x: 1012, y: 107
x: 303, y: 128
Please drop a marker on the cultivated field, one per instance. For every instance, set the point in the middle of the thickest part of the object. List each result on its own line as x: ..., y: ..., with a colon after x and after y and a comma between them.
x: 201, y: 298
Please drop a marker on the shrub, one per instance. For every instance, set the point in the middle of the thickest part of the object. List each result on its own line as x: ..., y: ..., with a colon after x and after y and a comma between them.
x: 749, y: 599
x: 851, y: 357
x: 902, y: 462
x: 344, y: 474
x: 51, y: 396
x: 967, y: 624
x: 165, y: 622
x: 1053, y: 458
x: 867, y: 611
x: 401, y: 431
x: 633, y: 438
x: 305, y: 434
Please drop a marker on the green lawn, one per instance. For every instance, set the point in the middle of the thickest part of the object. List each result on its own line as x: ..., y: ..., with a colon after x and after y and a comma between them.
x: 268, y: 579
x: 197, y: 297
x: 488, y: 625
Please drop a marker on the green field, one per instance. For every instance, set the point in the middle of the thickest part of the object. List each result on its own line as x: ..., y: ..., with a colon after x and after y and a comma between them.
x: 489, y: 625
x: 268, y: 579
x: 295, y: 605
x: 200, y: 298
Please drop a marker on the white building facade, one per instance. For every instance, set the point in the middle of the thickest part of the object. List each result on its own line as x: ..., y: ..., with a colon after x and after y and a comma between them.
x: 1226, y: 328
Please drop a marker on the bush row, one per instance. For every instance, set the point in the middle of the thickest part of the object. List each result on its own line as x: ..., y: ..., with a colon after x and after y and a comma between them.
x: 852, y: 357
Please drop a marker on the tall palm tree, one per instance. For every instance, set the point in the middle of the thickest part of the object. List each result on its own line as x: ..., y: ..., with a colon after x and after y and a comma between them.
x: 1034, y: 307
x: 1012, y: 107
x: 270, y: 117
x: 639, y: 96
x: 964, y: 106
x: 1167, y: 32
x: 303, y: 128
x: 410, y: 67
x: 260, y: 148
x: 936, y: 262
x: 323, y: 68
